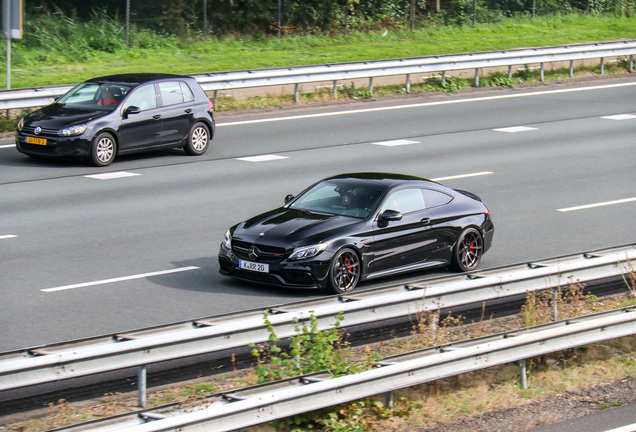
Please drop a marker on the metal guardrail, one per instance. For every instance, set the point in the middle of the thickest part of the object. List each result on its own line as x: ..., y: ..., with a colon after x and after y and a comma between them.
x: 143, y: 347
x: 246, y: 407
x: 213, y: 82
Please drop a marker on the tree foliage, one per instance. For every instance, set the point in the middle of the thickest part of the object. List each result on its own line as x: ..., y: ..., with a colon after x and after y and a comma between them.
x: 222, y: 17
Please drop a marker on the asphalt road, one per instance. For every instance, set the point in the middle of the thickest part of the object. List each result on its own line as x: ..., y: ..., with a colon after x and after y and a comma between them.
x: 82, y: 256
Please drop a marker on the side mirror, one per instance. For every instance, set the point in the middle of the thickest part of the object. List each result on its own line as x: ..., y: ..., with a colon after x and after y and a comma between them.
x: 288, y: 198
x: 132, y: 110
x: 389, y: 216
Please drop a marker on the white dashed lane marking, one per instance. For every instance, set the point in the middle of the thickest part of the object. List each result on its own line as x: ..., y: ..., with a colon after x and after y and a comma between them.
x: 515, y: 129
x: 620, y: 117
x: 119, y: 279
x: 262, y: 158
x: 601, y: 204
x: 460, y: 176
x: 112, y: 175
x: 394, y: 143
x: 8, y: 236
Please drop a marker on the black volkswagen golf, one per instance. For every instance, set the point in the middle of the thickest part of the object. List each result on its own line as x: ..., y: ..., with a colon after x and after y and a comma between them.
x: 353, y: 227
x: 119, y: 114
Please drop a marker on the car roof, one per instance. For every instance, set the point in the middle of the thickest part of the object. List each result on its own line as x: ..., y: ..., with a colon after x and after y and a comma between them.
x: 135, y: 79
x: 381, y: 179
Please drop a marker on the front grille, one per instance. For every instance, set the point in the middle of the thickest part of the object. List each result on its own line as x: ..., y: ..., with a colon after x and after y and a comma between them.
x: 45, y: 132
x: 266, y: 253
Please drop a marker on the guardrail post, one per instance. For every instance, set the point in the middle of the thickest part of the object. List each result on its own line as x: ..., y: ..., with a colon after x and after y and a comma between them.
x: 509, y: 71
x: 523, y: 374
x: 141, y: 386
x: 296, y: 92
x: 631, y: 63
x: 542, y: 72
x: 216, y: 97
x: 602, y: 65
x: 476, y: 77
x: 388, y: 400
x: 571, y: 68
x: 335, y: 90
x: 371, y: 85
x: 408, y: 83
x: 443, y: 78
x: 555, y: 304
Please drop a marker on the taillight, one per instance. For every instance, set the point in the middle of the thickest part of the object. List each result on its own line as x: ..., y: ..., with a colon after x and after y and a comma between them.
x: 486, y: 211
x: 210, y: 106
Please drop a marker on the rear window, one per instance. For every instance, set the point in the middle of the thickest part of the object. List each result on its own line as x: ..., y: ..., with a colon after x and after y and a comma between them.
x: 175, y: 92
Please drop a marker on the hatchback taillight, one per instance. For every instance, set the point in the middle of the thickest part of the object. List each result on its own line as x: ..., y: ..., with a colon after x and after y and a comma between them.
x: 210, y: 106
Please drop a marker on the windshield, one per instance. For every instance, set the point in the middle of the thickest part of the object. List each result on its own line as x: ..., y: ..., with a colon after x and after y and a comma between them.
x: 339, y: 199
x: 95, y: 96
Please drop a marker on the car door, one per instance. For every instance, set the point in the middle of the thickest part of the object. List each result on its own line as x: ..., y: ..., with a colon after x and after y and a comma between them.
x: 141, y: 124
x: 177, y: 101
x: 407, y: 243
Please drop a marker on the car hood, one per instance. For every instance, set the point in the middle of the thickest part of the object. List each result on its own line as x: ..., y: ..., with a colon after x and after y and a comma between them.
x: 57, y: 116
x: 286, y: 227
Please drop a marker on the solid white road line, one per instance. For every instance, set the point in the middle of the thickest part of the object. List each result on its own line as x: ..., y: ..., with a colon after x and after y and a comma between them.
x: 602, y: 204
x: 261, y: 158
x: 111, y: 175
x: 119, y: 279
x: 425, y: 104
x: 7, y: 146
x: 483, y: 173
x: 8, y: 236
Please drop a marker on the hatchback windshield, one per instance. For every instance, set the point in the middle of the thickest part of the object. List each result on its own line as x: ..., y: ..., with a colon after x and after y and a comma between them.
x: 95, y: 96
x: 340, y: 199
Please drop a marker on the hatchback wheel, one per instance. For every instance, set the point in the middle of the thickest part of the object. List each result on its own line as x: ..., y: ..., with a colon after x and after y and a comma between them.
x: 103, y: 149
x: 198, y: 139
x: 468, y: 250
x: 344, y: 272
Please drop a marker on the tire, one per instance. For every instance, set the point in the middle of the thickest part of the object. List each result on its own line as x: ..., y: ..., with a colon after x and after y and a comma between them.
x: 468, y: 250
x: 344, y: 271
x: 198, y: 139
x: 103, y: 150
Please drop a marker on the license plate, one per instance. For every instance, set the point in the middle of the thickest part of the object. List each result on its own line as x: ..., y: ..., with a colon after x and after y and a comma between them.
x: 34, y: 140
x: 254, y: 266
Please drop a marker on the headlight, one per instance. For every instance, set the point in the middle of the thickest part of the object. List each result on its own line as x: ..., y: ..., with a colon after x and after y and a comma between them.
x: 73, y: 130
x: 20, y: 124
x: 227, y: 241
x: 307, y: 251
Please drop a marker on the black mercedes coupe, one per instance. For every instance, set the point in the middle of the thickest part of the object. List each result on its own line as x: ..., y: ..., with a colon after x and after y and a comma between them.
x: 354, y: 227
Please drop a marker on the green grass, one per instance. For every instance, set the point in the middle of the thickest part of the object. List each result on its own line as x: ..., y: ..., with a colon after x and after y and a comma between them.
x: 50, y: 62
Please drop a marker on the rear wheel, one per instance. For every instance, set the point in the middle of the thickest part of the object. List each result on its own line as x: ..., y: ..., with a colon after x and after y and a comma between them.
x: 344, y: 272
x: 468, y: 250
x: 103, y: 149
x: 198, y: 139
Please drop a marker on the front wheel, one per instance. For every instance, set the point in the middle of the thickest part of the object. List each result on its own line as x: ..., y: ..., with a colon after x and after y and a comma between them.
x: 103, y: 149
x: 198, y: 139
x: 344, y: 272
x: 468, y: 250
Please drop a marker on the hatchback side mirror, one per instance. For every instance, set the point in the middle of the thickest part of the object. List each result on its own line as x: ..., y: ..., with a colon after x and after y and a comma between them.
x: 288, y: 198
x: 389, y: 216
x: 132, y: 110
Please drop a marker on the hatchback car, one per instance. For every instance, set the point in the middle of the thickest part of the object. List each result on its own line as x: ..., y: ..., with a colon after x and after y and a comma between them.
x: 120, y: 114
x: 353, y: 227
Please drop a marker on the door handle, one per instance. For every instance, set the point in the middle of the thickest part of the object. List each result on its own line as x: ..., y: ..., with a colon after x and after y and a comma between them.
x: 156, y: 116
x: 189, y: 110
x: 425, y: 221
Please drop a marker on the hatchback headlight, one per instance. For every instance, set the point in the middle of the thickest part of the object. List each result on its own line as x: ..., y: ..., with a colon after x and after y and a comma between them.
x: 307, y: 251
x: 227, y: 241
x: 21, y: 124
x: 72, y: 130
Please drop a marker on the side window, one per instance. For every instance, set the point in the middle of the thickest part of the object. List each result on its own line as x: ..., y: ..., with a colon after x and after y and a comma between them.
x: 175, y: 92
x: 433, y: 198
x: 143, y: 97
x: 405, y: 201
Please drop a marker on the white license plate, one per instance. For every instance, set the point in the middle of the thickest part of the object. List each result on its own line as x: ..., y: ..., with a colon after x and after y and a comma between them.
x: 254, y: 266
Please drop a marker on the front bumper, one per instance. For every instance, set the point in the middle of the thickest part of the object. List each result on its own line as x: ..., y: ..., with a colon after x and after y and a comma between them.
x: 56, y: 146
x: 310, y: 273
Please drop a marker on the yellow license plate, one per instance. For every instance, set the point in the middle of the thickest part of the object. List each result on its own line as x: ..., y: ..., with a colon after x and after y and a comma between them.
x: 34, y: 140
